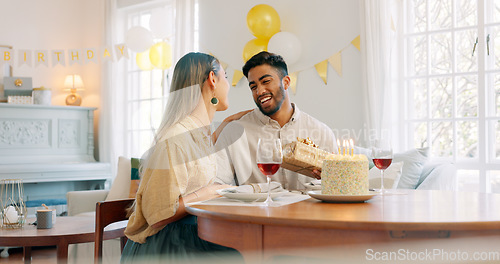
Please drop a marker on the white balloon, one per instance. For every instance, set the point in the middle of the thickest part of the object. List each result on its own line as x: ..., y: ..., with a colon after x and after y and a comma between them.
x: 138, y: 39
x: 160, y: 24
x: 287, y: 45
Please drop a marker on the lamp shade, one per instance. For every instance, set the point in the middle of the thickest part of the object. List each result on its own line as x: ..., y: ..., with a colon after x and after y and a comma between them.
x: 73, y: 81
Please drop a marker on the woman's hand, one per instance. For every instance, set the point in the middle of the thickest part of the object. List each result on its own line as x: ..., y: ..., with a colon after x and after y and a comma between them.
x: 237, y: 116
x: 226, y: 121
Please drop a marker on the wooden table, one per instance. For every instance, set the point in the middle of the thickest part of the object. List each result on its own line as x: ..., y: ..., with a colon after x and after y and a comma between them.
x: 414, y: 216
x: 67, y: 230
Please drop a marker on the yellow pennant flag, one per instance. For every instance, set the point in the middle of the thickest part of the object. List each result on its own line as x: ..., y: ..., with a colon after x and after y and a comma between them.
x: 356, y: 42
x: 223, y: 64
x: 336, y: 62
x: 321, y: 68
x: 237, y: 77
x: 293, y: 82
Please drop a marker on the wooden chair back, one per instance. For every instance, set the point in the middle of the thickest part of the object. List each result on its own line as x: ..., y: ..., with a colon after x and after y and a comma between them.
x: 108, y: 212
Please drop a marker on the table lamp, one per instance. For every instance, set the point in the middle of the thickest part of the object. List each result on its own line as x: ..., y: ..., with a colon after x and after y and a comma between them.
x: 73, y: 83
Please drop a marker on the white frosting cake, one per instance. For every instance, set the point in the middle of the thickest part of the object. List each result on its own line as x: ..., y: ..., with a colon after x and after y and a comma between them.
x: 344, y: 174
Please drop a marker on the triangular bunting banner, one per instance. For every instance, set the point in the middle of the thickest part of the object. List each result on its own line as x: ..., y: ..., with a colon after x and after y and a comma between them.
x: 293, y: 82
x: 321, y: 68
x: 356, y: 42
x: 8, y: 56
x: 90, y: 55
x: 75, y: 56
x: 25, y: 57
x: 336, y: 62
x: 58, y: 57
x: 121, y: 51
x: 106, y: 54
x: 237, y: 77
x: 224, y: 65
x: 41, y: 58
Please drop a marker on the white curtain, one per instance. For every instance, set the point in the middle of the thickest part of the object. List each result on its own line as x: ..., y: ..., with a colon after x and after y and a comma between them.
x: 376, y: 47
x: 184, y: 27
x: 110, y: 119
x: 112, y: 137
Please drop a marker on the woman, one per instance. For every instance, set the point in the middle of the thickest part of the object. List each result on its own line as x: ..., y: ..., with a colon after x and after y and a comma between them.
x: 179, y: 168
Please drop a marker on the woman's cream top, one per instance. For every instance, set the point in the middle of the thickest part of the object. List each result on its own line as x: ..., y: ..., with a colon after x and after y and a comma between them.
x: 181, y: 163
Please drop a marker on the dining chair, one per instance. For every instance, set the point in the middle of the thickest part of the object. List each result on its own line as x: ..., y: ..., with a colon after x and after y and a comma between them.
x: 108, y: 212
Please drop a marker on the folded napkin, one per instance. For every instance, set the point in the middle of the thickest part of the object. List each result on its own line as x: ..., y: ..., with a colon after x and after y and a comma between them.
x: 257, y: 188
x: 313, y: 185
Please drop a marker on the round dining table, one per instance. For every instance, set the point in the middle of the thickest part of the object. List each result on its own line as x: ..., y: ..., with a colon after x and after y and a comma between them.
x: 259, y: 232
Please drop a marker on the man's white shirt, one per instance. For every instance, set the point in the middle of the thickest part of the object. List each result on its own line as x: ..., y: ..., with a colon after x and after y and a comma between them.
x: 237, y: 146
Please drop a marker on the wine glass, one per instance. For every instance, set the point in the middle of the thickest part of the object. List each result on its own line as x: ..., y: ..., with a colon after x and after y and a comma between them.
x: 382, y: 158
x: 269, y: 158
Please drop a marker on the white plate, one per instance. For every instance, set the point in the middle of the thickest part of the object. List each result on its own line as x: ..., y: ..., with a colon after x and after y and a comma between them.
x: 249, y: 197
x: 341, y: 198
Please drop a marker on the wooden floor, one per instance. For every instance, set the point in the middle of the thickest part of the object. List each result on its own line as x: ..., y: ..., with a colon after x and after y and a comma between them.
x: 40, y: 255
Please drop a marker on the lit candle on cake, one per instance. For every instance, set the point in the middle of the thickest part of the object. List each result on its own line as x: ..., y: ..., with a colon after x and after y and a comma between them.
x: 338, y: 145
x: 344, y: 145
x: 351, y: 144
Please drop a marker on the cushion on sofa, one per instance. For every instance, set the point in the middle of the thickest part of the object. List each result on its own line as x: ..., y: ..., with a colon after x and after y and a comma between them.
x: 414, y: 161
x: 120, y: 189
x: 134, y: 177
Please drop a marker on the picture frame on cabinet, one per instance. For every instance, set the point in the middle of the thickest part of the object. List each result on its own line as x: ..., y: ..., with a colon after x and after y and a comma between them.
x: 5, y: 71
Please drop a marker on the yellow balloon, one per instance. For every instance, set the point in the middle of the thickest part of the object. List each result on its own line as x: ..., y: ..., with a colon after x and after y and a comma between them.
x: 143, y: 62
x: 263, y: 21
x: 253, y: 47
x: 161, y: 55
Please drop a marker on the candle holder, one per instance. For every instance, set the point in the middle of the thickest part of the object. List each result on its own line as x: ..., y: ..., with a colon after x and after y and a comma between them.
x: 12, y: 206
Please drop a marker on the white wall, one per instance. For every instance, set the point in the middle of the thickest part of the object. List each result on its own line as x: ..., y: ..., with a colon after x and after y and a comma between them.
x: 323, y: 27
x: 56, y: 24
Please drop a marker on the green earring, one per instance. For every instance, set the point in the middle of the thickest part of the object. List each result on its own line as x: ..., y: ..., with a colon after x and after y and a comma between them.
x: 214, y: 101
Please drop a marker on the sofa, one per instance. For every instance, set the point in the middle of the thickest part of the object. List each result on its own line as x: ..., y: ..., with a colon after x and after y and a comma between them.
x: 414, y: 169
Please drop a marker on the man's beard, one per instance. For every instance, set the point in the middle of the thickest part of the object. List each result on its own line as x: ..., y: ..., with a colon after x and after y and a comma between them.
x: 281, y: 93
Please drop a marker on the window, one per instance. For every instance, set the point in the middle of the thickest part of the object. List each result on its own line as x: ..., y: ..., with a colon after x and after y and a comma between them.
x: 145, y: 93
x: 452, y: 85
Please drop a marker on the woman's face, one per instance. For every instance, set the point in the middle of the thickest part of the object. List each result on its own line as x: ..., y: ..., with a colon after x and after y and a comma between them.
x: 222, y: 89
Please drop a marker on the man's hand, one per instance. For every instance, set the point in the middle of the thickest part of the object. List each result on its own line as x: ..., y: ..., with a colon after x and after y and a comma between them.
x: 317, y: 174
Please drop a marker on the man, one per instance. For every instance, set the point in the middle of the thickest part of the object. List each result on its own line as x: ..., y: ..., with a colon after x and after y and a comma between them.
x: 276, y: 117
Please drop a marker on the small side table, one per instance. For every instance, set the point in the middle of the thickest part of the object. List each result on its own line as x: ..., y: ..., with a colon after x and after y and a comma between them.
x: 67, y: 230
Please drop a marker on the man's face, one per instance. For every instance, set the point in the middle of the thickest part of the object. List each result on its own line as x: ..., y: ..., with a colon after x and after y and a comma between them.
x: 267, y: 88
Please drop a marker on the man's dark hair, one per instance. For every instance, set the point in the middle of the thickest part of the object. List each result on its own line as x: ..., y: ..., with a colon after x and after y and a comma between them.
x: 271, y: 59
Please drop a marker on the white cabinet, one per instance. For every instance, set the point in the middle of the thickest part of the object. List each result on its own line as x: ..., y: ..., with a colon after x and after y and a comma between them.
x: 51, y: 148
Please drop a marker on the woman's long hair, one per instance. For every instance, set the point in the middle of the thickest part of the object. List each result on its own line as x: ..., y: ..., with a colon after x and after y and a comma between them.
x: 190, y: 72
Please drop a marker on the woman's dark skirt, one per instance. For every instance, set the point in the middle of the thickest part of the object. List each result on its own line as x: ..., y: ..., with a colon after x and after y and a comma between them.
x: 178, y: 242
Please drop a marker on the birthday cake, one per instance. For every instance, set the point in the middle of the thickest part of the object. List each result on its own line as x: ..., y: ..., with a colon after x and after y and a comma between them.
x: 344, y: 175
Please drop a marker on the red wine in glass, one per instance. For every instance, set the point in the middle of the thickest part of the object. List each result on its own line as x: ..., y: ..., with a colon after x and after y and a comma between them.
x: 269, y: 157
x: 268, y: 169
x: 382, y: 164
